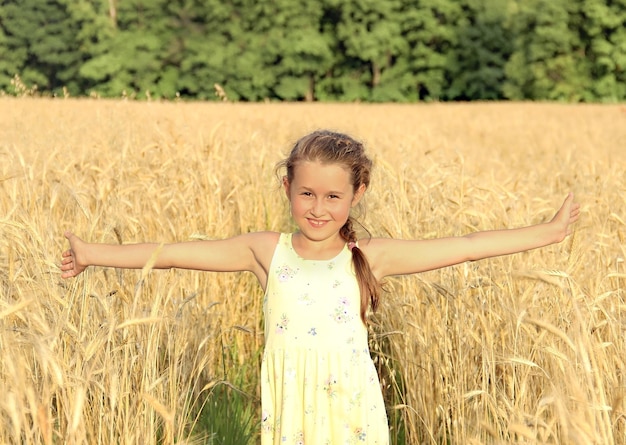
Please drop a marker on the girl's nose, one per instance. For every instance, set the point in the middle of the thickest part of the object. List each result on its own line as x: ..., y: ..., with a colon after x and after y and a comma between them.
x: 318, y: 208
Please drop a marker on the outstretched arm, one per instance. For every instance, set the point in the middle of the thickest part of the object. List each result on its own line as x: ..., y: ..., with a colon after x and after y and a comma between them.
x: 399, y: 257
x: 250, y: 252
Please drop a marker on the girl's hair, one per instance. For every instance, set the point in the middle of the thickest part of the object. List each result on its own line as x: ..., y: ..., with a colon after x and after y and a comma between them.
x: 329, y: 147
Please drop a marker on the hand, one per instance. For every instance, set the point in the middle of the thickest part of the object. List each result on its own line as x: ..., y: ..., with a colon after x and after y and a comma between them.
x: 73, y: 262
x: 566, y: 216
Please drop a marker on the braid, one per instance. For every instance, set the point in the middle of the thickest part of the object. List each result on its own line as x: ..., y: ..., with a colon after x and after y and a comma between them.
x: 368, y: 284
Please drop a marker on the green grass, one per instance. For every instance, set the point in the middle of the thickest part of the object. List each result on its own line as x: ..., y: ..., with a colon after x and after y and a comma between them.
x: 227, y: 418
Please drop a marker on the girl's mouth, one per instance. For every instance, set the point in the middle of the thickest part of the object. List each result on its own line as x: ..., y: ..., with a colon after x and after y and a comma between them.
x: 317, y: 222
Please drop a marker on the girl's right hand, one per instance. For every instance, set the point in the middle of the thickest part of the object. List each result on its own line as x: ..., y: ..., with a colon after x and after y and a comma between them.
x: 73, y: 262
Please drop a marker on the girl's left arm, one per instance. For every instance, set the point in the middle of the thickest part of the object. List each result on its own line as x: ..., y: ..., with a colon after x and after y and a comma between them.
x: 400, y: 257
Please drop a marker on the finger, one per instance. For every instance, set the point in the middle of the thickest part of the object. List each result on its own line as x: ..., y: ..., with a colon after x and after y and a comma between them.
x: 568, y: 198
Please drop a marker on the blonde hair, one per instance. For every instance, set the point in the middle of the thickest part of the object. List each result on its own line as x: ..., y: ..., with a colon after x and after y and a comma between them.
x: 329, y: 147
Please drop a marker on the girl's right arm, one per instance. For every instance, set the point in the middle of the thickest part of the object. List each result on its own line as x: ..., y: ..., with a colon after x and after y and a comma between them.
x: 250, y: 252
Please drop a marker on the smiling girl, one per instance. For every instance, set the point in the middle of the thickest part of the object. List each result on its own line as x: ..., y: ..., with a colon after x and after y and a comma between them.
x: 318, y: 382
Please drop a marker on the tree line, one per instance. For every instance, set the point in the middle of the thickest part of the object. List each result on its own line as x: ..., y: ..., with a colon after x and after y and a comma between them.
x: 325, y: 50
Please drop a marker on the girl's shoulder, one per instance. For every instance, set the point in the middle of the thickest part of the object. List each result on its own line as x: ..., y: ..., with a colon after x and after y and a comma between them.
x: 261, y: 246
x: 380, y: 252
x: 263, y: 240
x: 374, y: 244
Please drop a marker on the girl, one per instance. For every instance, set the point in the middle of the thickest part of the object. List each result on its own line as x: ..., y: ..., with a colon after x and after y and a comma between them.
x: 319, y: 385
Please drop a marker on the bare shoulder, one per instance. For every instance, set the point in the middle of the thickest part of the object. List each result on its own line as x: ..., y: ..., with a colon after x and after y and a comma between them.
x: 389, y: 256
x: 263, y: 245
x: 376, y: 246
x: 376, y: 249
x: 262, y: 241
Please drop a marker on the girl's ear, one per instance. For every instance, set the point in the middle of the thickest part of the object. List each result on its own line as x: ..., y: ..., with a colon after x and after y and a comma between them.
x: 358, y: 194
x: 286, y: 186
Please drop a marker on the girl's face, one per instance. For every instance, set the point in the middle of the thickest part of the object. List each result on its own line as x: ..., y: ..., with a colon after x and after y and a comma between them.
x: 321, y: 196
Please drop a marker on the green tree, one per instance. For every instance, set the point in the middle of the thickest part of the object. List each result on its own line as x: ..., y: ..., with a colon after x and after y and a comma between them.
x: 604, y: 27
x: 370, y: 36
x: 484, y: 46
x: 96, y: 22
x: 11, y: 56
x: 228, y: 47
x: 205, y: 45
x: 37, y: 41
x: 137, y: 53
x: 247, y: 62
x: 298, y: 51
x: 430, y: 27
x: 548, y: 61
x: 262, y: 49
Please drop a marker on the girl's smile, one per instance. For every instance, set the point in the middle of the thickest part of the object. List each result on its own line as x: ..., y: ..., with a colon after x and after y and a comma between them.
x: 316, y: 223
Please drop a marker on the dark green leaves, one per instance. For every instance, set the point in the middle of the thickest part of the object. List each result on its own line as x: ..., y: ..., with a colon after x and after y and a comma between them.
x: 338, y: 50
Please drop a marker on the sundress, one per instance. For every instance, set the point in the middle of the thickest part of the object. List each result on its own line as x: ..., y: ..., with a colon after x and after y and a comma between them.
x: 319, y: 385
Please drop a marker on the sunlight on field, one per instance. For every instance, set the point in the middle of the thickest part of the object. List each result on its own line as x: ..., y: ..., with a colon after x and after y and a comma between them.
x: 522, y: 349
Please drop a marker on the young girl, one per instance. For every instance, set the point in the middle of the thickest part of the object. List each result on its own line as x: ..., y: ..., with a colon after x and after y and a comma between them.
x: 319, y: 385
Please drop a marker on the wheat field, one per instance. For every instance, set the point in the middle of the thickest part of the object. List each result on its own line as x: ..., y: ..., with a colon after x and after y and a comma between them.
x: 529, y: 348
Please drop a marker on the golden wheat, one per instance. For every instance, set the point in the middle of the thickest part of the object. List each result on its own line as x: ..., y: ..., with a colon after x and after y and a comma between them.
x: 522, y: 349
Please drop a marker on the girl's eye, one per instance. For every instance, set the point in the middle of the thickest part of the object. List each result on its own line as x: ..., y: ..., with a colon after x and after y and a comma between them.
x: 333, y: 196
x: 307, y: 194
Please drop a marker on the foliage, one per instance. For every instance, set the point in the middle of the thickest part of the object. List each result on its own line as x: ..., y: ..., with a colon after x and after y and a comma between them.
x: 330, y: 50
x: 484, y: 46
x: 37, y: 41
x: 605, y: 47
x: 548, y: 61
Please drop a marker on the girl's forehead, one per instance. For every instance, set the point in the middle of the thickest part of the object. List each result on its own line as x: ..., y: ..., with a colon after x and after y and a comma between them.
x: 321, y: 176
x: 317, y: 168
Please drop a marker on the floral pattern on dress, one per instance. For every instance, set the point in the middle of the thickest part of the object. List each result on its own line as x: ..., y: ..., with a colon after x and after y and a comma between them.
x: 330, y: 386
x: 281, y: 327
x: 355, y: 399
x: 342, y: 313
x: 306, y: 299
x: 359, y: 434
x: 285, y: 273
x: 298, y: 438
x: 267, y: 426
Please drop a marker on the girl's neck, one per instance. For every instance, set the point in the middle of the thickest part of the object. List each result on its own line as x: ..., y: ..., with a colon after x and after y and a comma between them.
x: 321, y: 250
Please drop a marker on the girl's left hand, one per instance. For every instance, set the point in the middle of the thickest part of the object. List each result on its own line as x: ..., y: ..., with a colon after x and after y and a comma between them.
x: 566, y: 216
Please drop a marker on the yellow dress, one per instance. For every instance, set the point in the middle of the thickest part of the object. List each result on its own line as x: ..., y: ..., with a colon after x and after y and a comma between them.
x: 318, y: 383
